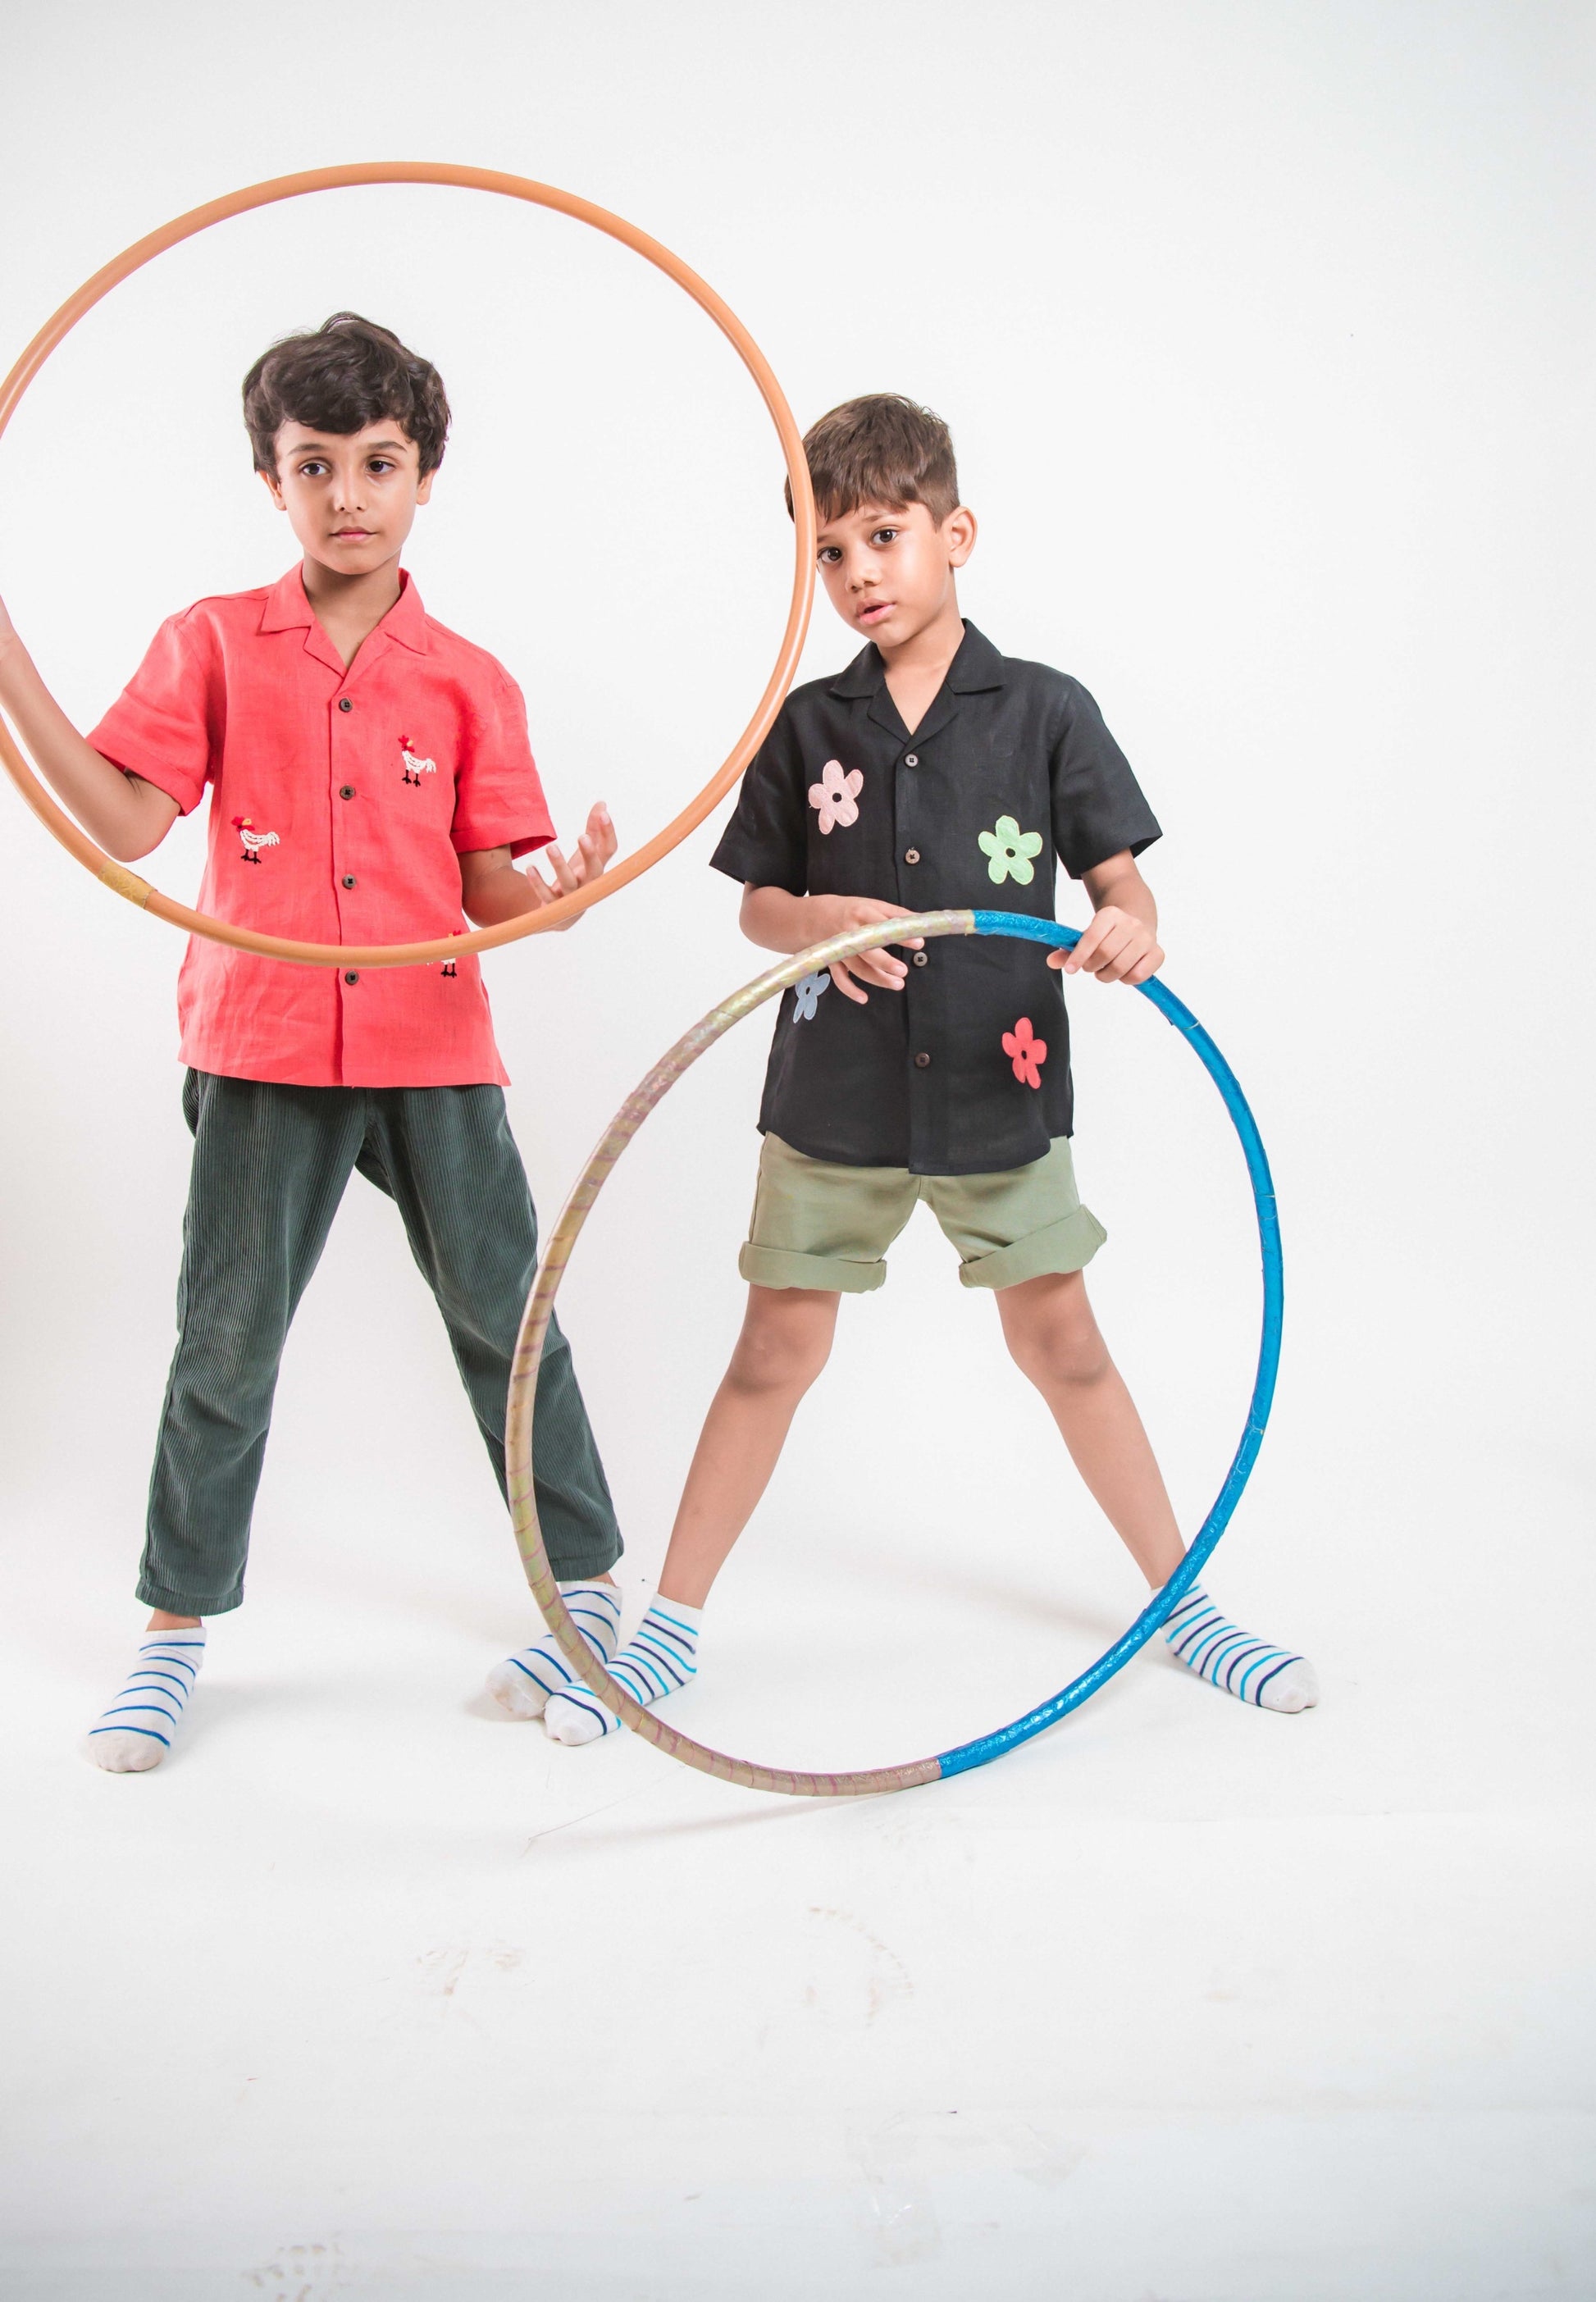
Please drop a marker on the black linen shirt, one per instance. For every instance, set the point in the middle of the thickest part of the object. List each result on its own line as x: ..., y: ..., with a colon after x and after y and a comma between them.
x: 1011, y: 769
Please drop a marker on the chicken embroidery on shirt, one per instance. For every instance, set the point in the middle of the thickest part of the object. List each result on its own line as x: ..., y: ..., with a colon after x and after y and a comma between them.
x: 250, y: 840
x: 414, y: 767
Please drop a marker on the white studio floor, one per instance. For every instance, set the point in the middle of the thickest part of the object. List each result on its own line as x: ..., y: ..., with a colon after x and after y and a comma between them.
x: 369, y: 1993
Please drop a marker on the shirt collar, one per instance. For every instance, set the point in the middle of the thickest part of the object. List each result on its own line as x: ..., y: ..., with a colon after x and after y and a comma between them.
x: 977, y: 665
x: 288, y: 610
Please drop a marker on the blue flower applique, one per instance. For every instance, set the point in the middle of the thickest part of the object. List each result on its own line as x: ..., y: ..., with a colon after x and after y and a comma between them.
x: 806, y: 995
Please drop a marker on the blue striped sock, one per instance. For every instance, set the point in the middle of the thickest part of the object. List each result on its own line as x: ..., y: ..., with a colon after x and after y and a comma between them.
x: 522, y: 1683
x: 1249, y: 1669
x: 661, y: 1656
x: 138, y: 1728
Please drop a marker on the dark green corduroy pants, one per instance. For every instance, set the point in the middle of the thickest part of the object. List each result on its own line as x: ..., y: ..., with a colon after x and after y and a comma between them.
x: 271, y: 1164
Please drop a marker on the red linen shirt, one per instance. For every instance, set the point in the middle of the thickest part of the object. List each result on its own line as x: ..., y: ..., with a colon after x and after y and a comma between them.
x: 340, y: 803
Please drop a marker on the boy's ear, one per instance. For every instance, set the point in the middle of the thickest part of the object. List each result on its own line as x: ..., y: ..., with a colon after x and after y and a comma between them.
x: 276, y: 487
x: 958, y: 532
x: 424, y: 487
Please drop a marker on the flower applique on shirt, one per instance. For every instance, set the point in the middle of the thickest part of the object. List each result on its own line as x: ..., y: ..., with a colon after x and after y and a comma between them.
x: 1025, y: 1052
x: 835, y: 797
x: 806, y: 995
x: 250, y: 840
x: 414, y: 767
x: 1008, y: 850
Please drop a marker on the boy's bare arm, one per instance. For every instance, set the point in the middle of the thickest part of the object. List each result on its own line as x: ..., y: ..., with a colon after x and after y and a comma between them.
x: 126, y: 815
x: 492, y: 890
x: 1121, y: 944
x: 777, y: 922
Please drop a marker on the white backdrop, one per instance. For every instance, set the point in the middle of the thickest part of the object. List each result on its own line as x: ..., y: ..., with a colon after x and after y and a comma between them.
x: 1265, y: 337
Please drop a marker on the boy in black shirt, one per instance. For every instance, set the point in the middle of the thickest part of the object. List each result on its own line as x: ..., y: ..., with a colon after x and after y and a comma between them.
x: 933, y: 772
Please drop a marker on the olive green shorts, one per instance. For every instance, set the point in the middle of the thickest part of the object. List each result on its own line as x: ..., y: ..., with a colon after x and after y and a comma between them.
x: 817, y: 1225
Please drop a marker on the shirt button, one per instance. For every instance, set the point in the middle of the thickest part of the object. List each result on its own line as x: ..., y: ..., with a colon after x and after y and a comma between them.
x: 911, y: 759
x: 352, y: 976
x: 346, y: 791
x: 922, y: 1062
x: 345, y: 703
x: 922, y: 959
x: 348, y: 878
x: 912, y: 855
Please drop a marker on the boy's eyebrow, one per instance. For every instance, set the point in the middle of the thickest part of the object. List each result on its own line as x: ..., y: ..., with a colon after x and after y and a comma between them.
x: 310, y: 446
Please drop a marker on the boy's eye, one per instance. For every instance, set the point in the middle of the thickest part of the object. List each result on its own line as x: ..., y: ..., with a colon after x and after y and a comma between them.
x: 829, y: 555
x: 381, y: 464
x: 312, y: 470
x: 887, y: 535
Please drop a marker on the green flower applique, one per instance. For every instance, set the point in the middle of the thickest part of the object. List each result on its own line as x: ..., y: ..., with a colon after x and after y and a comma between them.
x: 1008, y: 850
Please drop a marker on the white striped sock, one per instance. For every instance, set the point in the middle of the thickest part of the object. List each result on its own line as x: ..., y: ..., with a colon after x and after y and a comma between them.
x: 522, y: 1683
x: 138, y: 1728
x: 661, y: 1656
x: 1249, y: 1669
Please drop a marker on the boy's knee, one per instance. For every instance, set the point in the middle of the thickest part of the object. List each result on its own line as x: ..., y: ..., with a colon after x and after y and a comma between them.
x: 1054, y: 1339
x: 785, y: 1340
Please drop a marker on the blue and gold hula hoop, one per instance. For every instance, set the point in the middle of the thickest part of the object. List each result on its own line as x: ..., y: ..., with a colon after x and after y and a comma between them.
x: 534, y: 1328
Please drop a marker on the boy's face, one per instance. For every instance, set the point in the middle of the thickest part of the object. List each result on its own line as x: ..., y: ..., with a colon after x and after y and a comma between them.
x: 351, y: 496
x: 888, y: 568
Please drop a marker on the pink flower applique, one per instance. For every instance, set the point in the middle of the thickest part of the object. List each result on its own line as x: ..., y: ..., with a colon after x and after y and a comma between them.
x: 835, y: 797
x: 250, y: 840
x: 1028, y: 1053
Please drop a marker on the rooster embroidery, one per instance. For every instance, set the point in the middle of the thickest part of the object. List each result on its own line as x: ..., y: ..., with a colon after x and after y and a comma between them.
x: 251, y: 840
x: 414, y: 767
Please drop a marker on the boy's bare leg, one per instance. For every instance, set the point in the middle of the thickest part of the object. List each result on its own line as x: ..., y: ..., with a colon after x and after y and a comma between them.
x: 1054, y: 1338
x: 785, y: 1342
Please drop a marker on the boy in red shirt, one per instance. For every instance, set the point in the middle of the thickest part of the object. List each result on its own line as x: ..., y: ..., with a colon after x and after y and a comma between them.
x: 372, y: 782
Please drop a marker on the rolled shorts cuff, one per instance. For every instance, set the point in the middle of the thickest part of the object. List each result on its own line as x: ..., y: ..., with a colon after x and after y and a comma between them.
x: 1067, y: 1245
x: 831, y: 1275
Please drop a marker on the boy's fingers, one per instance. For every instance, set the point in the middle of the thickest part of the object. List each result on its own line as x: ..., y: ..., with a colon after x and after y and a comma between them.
x: 566, y: 878
x: 839, y: 976
x: 1110, y: 958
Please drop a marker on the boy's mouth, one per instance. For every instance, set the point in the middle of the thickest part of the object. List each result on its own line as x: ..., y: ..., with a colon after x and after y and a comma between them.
x: 873, y: 610
x: 352, y: 535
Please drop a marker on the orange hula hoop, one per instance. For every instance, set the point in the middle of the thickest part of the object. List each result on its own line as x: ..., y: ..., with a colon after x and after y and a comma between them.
x: 128, y: 883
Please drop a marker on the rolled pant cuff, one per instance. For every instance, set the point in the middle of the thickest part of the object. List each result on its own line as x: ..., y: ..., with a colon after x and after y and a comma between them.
x: 570, y: 1567
x: 831, y: 1275
x: 169, y: 1601
x: 1067, y: 1245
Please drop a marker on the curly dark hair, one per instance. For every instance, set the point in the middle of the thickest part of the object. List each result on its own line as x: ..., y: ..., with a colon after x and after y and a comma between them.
x: 348, y: 373
x: 882, y: 449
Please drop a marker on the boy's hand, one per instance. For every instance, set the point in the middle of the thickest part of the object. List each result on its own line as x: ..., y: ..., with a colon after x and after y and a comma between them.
x: 595, y: 850
x: 1116, y: 948
x: 837, y: 915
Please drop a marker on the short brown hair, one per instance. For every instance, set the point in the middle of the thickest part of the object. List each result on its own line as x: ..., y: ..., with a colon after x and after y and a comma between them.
x: 347, y: 373
x: 882, y: 449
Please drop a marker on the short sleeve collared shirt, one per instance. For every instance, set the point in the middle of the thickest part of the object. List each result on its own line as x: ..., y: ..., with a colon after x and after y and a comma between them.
x: 342, y: 801
x: 967, y: 1070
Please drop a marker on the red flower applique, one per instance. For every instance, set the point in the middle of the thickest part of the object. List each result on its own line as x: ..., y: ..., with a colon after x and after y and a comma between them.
x: 1027, y: 1052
